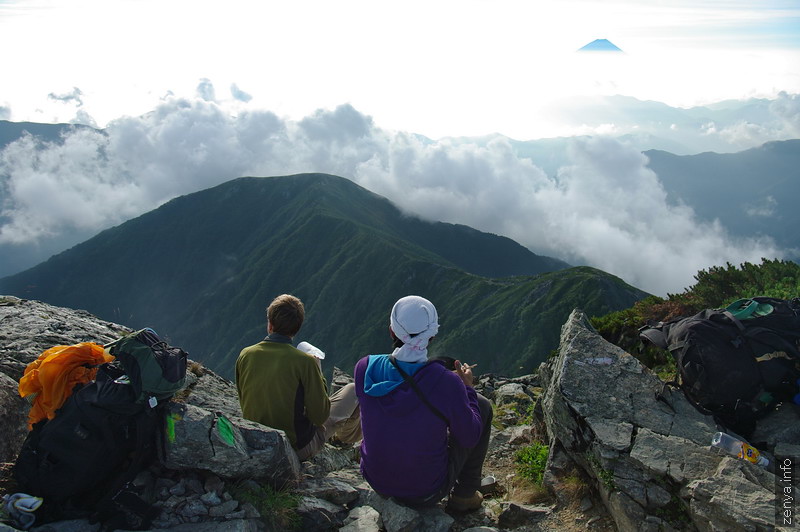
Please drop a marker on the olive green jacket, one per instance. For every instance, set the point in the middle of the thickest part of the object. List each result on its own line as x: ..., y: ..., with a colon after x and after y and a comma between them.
x: 283, y: 388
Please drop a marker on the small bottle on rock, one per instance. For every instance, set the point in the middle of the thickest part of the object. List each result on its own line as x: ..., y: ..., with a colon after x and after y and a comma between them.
x: 738, y: 448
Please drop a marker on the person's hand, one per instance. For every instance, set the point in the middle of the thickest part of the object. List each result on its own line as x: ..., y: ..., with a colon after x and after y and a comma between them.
x: 465, y: 372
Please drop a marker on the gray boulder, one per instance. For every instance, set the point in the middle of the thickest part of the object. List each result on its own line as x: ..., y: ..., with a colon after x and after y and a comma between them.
x: 736, y: 496
x: 339, y: 380
x: 229, y: 447
x: 650, y: 459
x: 362, y: 519
x: 319, y: 514
x: 400, y: 518
x: 515, y: 515
x: 330, y: 489
x: 30, y: 327
x: 207, y: 390
x: 13, y: 418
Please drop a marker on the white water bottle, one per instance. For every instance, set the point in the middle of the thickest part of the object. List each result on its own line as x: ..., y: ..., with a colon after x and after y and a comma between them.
x: 738, y: 448
x: 311, y: 350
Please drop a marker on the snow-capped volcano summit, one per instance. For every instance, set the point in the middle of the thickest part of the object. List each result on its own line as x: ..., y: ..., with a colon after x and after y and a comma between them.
x: 600, y: 45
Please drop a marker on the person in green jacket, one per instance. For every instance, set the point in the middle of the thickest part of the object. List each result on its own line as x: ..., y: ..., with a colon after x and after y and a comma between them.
x: 283, y: 387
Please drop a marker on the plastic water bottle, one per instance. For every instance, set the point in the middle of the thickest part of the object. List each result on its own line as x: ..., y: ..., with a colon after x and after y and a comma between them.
x: 797, y: 397
x: 738, y: 448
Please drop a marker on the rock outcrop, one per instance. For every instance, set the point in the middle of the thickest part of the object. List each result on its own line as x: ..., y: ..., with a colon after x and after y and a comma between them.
x: 29, y: 327
x: 229, y: 447
x: 215, y: 460
x: 640, y: 463
x: 650, y: 458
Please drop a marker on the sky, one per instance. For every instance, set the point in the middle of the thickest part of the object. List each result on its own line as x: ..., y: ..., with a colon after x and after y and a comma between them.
x: 192, y: 93
x: 442, y: 68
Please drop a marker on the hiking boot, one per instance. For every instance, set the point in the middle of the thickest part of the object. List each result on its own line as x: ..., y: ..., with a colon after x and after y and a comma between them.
x: 465, y: 504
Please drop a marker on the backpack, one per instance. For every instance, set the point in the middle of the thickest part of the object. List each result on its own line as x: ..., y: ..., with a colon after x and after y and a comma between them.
x: 156, y: 369
x: 83, y: 460
x: 735, y: 368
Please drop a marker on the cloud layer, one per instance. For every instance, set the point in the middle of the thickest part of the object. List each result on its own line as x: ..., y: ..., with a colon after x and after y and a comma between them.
x: 603, y: 207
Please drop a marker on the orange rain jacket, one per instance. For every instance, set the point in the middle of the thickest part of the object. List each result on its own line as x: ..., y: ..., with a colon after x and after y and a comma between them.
x: 51, y: 377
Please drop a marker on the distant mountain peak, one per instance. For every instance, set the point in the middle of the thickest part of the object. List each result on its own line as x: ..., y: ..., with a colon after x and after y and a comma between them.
x: 600, y: 45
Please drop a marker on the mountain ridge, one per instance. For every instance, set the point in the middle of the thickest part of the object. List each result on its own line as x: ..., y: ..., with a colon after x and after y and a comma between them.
x: 44, y: 132
x: 203, y: 267
x: 751, y: 192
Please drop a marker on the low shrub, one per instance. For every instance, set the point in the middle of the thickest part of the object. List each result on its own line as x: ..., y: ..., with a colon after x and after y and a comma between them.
x: 531, y: 462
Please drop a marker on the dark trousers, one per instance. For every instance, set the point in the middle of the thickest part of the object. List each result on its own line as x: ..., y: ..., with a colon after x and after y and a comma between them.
x: 465, y: 464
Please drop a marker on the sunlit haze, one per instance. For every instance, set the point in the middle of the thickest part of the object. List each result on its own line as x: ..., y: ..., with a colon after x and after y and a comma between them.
x: 435, y: 68
x: 194, y: 93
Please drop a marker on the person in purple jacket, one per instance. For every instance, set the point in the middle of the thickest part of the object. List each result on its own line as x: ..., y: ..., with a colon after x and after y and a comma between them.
x: 425, y: 429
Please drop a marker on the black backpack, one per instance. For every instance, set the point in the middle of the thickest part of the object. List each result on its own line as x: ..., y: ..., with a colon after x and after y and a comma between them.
x: 735, y: 368
x: 83, y: 461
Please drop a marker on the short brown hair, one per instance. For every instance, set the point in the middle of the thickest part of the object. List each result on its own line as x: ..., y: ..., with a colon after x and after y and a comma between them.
x: 286, y: 314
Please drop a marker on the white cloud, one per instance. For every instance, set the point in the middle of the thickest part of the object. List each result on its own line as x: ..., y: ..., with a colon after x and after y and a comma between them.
x: 205, y: 90
x: 763, y: 208
x: 58, y: 188
x: 239, y: 94
x: 786, y: 108
x: 779, y: 120
x: 611, y: 211
x: 74, y: 96
x: 84, y: 118
x: 604, y: 208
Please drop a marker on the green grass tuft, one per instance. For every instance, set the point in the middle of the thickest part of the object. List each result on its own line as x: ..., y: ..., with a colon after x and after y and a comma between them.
x: 277, y: 507
x: 531, y: 462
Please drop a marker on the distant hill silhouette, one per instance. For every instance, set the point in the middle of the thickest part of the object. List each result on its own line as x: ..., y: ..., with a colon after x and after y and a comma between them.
x: 11, y: 131
x: 753, y: 192
x: 202, y: 268
x: 600, y: 45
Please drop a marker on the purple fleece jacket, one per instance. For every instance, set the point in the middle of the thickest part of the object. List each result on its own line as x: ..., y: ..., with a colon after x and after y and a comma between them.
x: 404, y: 448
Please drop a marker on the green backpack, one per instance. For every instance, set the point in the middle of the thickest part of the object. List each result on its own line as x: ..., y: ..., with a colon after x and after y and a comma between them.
x: 156, y: 370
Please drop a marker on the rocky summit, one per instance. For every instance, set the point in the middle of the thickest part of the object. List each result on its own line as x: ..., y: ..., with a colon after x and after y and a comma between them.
x: 619, y: 459
x: 647, y: 448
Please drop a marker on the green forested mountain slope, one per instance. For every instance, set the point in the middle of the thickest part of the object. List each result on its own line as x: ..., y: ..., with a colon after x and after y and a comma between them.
x: 202, y: 268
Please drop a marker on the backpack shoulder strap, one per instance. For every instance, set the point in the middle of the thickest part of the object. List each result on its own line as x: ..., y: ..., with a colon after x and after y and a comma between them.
x: 413, y: 384
x: 734, y: 320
